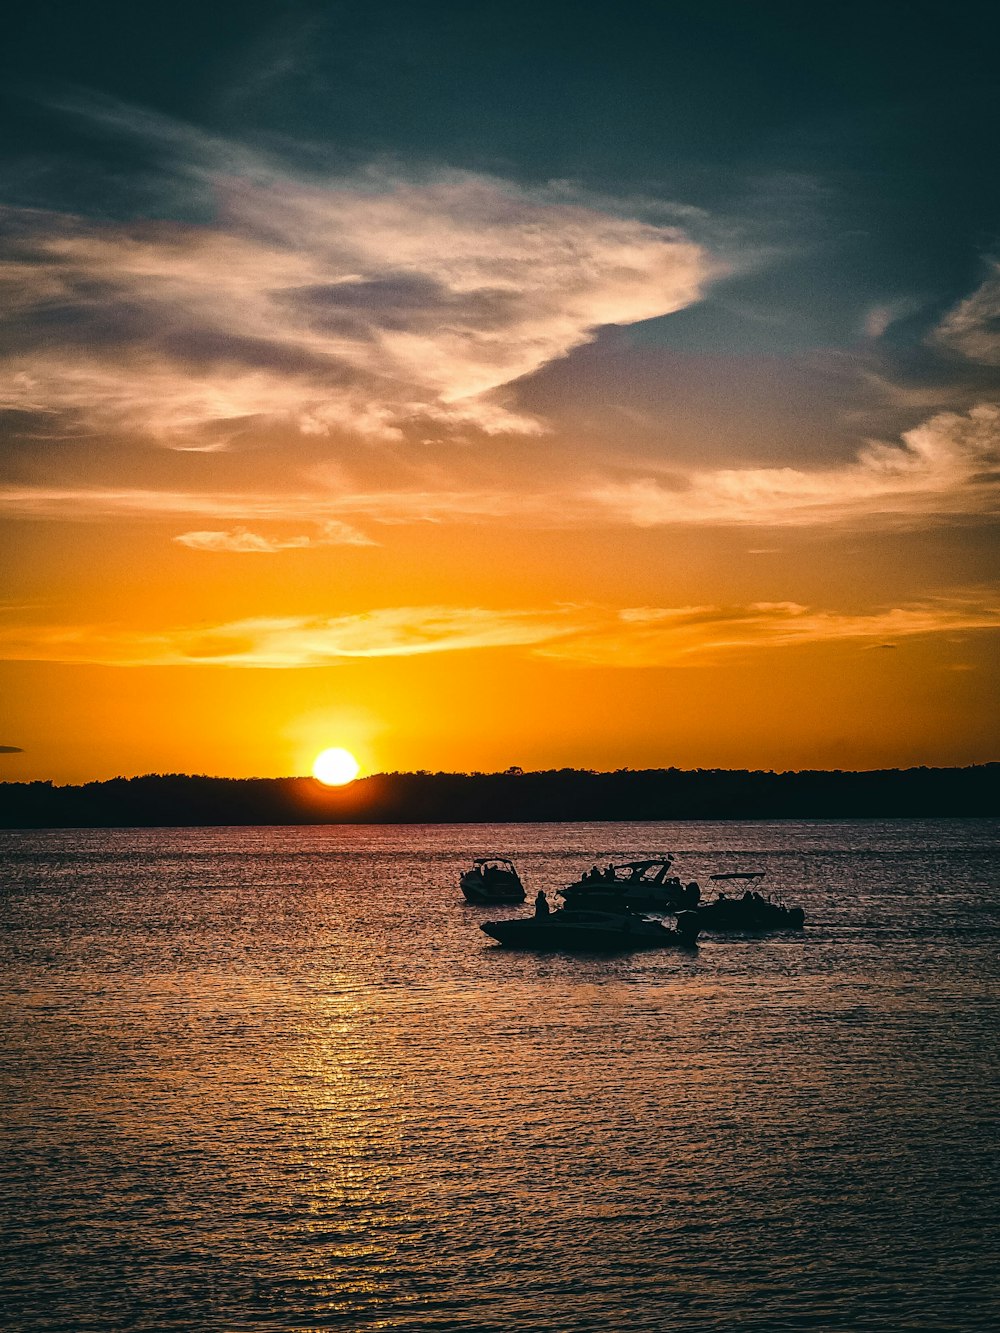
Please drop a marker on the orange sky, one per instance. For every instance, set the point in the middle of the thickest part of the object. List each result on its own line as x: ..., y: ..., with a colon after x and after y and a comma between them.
x: 392, y: 461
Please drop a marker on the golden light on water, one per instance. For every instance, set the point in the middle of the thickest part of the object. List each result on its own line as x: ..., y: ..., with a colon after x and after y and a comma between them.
x: 336, y: 767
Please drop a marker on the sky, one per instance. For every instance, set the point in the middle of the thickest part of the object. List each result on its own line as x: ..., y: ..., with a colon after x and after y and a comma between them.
x: 538, y: 384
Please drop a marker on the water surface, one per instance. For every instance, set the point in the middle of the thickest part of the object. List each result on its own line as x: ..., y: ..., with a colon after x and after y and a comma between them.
x: 278, y: 1079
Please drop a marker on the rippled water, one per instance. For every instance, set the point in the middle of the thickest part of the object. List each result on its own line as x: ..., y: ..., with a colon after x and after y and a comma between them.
x: 278, y: 1079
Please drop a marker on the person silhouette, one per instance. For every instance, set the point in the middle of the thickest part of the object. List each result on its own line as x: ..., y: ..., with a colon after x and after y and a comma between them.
x: 541, y: 903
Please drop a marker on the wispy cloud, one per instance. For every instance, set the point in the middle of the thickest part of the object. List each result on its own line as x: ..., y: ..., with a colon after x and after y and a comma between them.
x: 881, y: 317
x: 295, y: 641
x: 368, y: 303
x: 946, y: 467
x: 586, y: 635
x: 972, y: 328
x: 241, y: 541
x: 320, y: 507
x: 667, y: 636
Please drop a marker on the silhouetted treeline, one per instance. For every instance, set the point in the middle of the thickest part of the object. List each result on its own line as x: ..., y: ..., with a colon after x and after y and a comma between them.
x: 512, y: 797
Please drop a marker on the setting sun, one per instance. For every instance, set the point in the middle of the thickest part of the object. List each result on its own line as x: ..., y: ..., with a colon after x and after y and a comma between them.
x: 336, y: 767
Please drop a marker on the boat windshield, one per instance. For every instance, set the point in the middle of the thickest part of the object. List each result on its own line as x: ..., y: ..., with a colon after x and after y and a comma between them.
x: 653, y: 871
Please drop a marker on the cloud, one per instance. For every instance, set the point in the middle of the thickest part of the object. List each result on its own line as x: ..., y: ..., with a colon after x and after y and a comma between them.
x: 972, y: 328
x: 372, y: 303
x: 295, y: 641
x: 242, y: 542
x: 946, y: 470
x: 11, y: 749
x: 879, y: 318
x: 97, y: 503
x: 677, y: 636
x: 586, y: 635
x: 949, y: 466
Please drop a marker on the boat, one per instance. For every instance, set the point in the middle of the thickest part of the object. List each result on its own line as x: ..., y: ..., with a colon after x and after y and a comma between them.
x: 751, y: 911
x: 588, y: 928
x: 646, y: 885
x: 492, y: 879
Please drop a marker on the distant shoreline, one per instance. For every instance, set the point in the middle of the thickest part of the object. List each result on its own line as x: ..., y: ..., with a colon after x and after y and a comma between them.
x: 513, y: 797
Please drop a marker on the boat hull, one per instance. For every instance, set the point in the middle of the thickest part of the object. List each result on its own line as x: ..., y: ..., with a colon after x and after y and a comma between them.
x: 553, y: 933
x: 754, y: 919
x: 476, y: 893
x: 654, y: 898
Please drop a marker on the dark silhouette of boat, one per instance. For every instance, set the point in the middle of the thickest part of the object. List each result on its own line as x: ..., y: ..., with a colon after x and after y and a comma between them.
x: 592, y: 929
x: 642, y: 884
x: 492, y: 879
x: 751, y: 911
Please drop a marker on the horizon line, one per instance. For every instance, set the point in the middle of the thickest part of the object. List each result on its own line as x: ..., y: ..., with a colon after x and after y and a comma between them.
x: 514, y: 771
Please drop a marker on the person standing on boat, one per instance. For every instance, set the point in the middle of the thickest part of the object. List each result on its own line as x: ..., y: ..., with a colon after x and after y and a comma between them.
x: 541, y: 903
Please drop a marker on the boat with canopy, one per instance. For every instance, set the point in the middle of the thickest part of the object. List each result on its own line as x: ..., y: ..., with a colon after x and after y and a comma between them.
x: 492, y: 879
x: 749, y: 911
x: 644, y: 884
